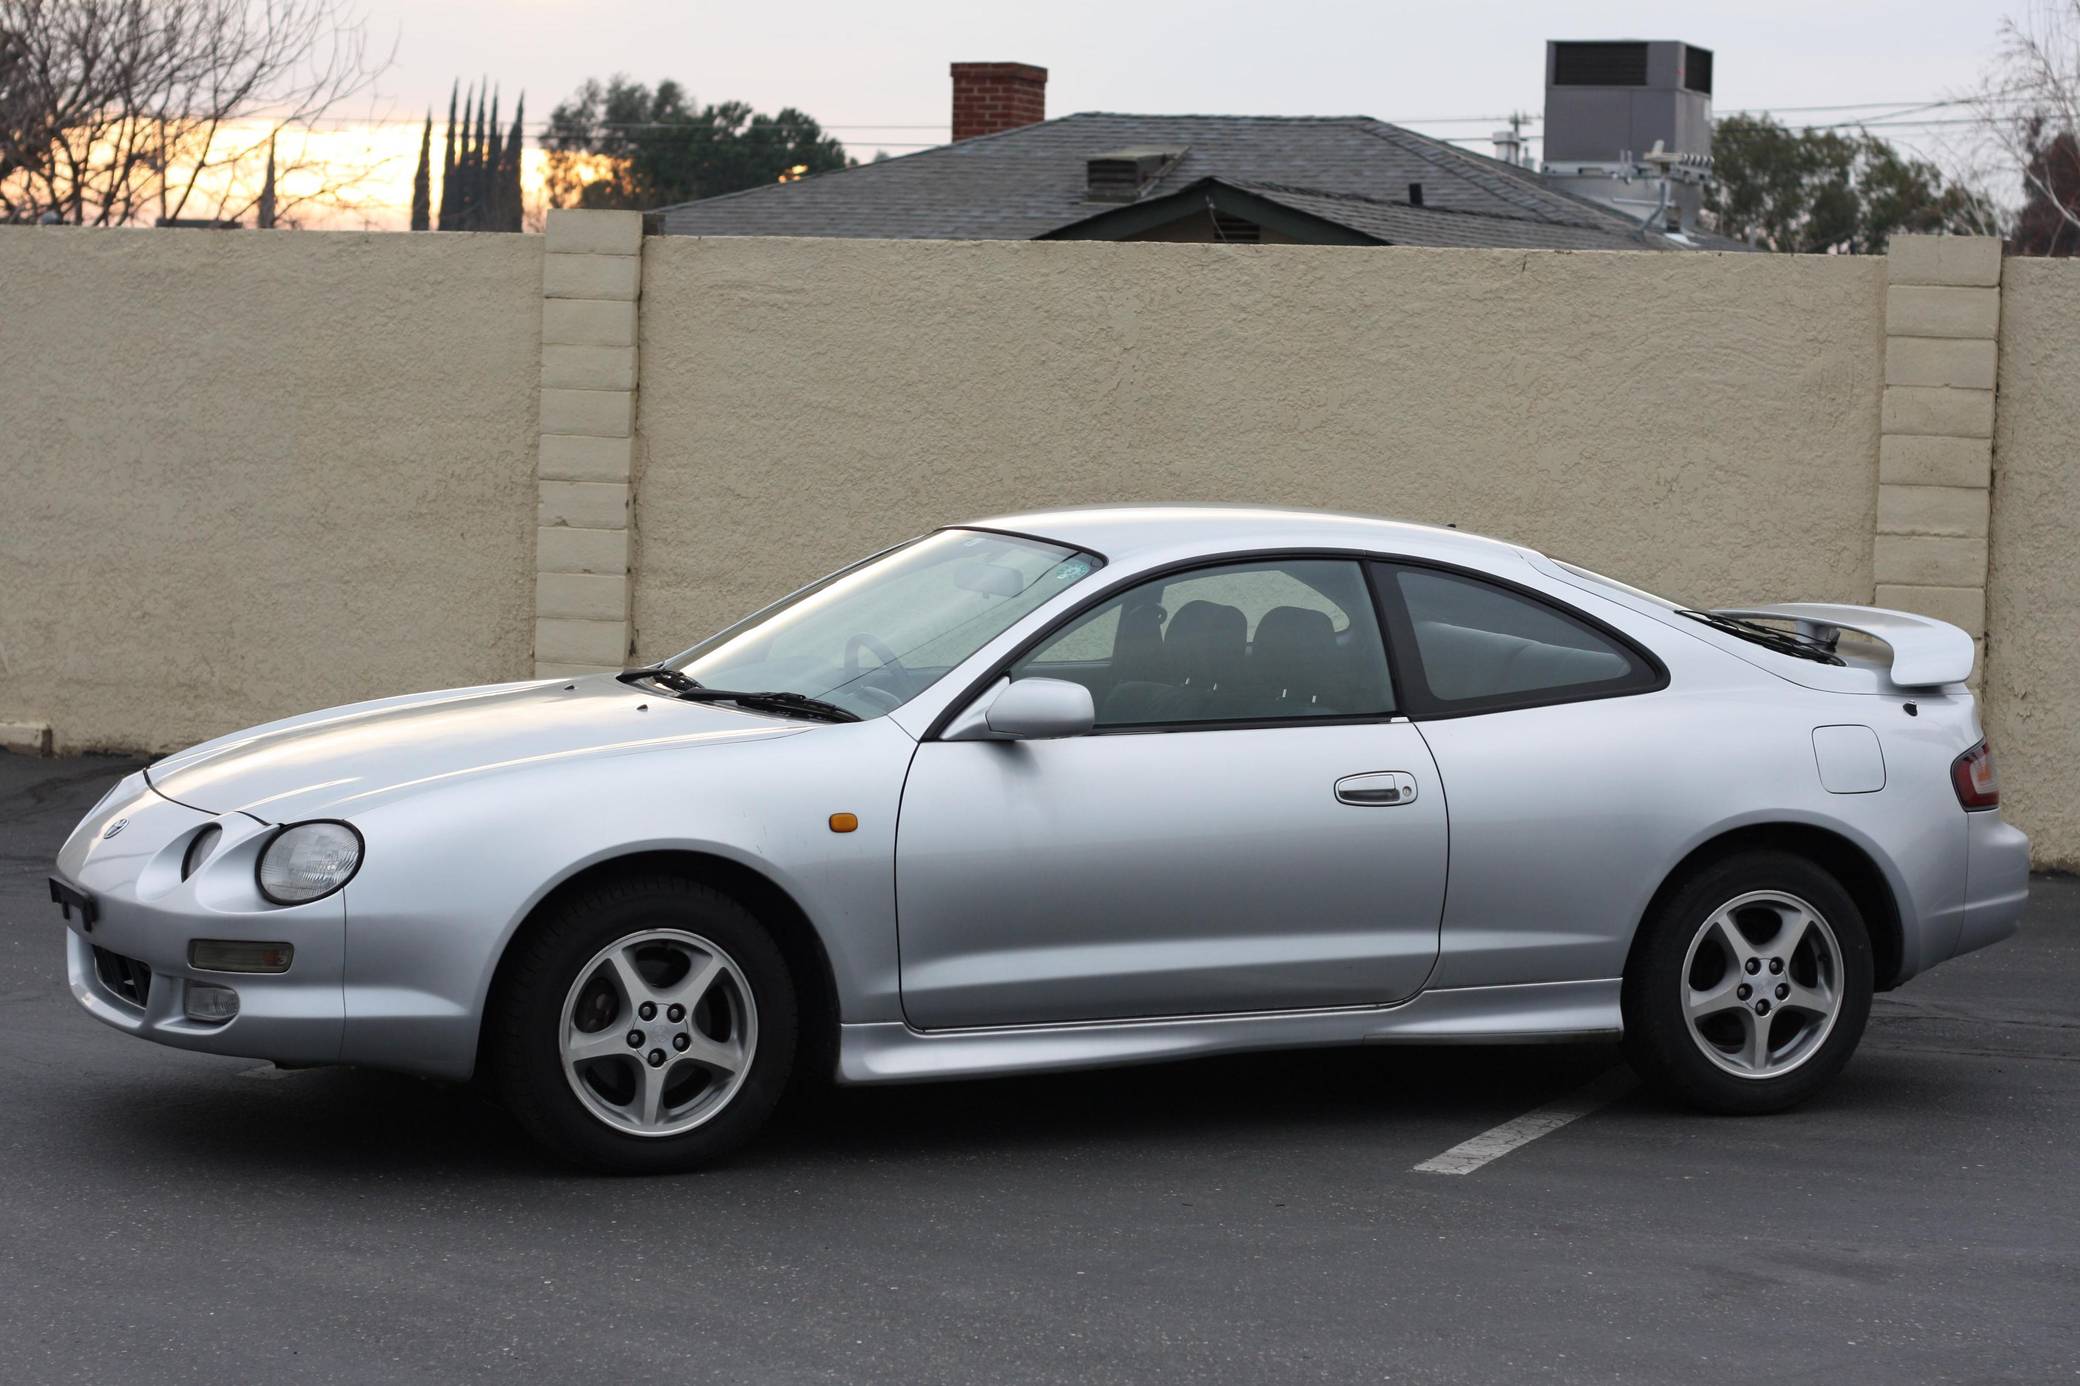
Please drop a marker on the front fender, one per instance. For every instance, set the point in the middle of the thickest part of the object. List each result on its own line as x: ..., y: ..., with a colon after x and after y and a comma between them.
x: 450, y: 874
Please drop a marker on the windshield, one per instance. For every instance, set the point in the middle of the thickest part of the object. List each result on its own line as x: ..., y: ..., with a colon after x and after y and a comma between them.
x: 875, y: 636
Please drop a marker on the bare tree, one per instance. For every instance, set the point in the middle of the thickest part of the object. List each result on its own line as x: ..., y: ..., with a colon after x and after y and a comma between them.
x: 119, y: 111
x: 2028, y: 106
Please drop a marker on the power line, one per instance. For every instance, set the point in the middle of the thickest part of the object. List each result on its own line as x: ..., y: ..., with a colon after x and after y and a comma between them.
x: 1881, y: 110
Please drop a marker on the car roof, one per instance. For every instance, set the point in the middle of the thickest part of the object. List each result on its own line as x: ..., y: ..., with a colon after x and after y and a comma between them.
x: 1129, y: 532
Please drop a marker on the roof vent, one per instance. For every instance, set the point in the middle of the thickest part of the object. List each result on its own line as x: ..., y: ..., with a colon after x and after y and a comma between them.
x: 1697, y: 69
x: 1122, y: 175
x: 1599, y: 64
x: 1415, y: 194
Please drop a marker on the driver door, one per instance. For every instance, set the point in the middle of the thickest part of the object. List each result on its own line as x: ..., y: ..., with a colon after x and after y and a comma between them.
x: 1245, y: 829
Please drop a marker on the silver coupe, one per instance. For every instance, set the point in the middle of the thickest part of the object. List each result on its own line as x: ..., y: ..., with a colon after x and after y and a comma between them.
x: 1069, y: 789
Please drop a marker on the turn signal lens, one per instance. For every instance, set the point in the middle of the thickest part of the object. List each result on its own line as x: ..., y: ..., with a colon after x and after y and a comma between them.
x: 1977, y: 783
x: 210, y: 1003
x: 308, y: 861
x: 233, y: 955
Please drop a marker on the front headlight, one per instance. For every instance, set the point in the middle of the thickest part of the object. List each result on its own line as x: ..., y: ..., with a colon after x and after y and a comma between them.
x: 308, y: 861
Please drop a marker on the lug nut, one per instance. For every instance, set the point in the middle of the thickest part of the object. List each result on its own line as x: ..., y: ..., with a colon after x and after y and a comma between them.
x: 1754, y: 965
x: 1762, y: 1006
x: 679, y: 1042
x: 676, y: 1014
x: 1776, y: 965
x: 635, y: 1039
x: 1744, y: 991
x: 648, y: 1010
x: 657, y: 1055
x: 1783, y: 990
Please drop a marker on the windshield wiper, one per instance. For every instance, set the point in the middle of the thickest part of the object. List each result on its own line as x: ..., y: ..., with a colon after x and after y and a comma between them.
x: 671, y: 678
x: 777, y: 700
x: 1794, y: 643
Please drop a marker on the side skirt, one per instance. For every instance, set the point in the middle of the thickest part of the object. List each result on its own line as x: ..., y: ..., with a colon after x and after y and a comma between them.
x: 1530, y: 1013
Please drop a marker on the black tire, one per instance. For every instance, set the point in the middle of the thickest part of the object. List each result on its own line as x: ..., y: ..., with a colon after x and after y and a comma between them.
x: 1658, y: 1037
x: 525, y: 1051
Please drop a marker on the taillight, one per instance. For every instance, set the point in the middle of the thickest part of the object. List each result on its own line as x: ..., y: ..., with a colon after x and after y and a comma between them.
x: 1977, y: 783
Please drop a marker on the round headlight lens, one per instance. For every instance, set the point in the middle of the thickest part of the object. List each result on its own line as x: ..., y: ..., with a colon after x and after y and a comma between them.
x: 308, y: 861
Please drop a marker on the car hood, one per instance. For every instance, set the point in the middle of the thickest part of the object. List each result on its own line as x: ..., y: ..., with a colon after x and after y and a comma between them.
x: 330, y: 762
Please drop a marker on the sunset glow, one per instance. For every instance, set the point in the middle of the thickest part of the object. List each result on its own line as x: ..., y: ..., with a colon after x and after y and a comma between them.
x: 368, y: 167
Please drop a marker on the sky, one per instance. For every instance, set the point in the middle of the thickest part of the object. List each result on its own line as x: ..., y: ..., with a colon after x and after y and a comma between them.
x: 876, y: 75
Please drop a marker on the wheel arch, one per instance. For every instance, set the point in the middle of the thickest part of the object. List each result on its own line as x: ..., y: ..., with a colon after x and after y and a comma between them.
x: 1840, y: 856
x: 801, y: 947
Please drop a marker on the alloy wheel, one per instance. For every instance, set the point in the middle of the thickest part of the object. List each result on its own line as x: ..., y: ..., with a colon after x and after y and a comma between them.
x: 1762, y: 984
x: 658, y: 1032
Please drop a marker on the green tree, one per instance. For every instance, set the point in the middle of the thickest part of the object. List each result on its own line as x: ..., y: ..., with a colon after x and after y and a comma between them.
x: 449, y: 206
x: 2049, y: 223
x: 623, y: 144
x: 422, y: 180
x: 1816, y: 191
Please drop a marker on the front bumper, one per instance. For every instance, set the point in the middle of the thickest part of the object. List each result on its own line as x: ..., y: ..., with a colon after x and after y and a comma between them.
x: 278, y: 1018
x: 146, y: 915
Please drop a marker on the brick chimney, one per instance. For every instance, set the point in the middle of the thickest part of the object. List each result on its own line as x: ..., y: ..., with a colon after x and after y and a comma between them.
x: 988, y: 97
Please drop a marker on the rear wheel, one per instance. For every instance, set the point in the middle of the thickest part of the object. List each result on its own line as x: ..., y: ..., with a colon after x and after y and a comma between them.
x: 1749, y: 986
x: 647, y: 1025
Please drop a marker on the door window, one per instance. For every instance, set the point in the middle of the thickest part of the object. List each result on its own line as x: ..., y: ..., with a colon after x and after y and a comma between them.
x: 1241, y: 642
x: 1480, y: 645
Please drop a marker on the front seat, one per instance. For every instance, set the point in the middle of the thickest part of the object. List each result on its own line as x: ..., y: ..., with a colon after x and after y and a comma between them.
x: 1205, y: 650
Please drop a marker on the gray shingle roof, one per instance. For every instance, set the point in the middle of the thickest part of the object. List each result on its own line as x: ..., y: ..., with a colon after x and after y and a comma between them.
x: 1024, y: 183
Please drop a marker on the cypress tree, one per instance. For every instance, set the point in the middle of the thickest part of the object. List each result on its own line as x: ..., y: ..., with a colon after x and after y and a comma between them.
x: 494, y: 166
x: 511, y: 172
x: 422, y: 180
x: 476, y: 166
x: 461, y: 222
x: 447, y: 221
x: 267, y: 190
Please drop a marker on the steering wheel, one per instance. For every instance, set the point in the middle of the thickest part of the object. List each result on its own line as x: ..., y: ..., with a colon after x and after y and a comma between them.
x: 854, y: 644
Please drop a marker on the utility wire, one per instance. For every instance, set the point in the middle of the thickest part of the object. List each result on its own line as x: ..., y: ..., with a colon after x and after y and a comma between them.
x: 1886, y: 108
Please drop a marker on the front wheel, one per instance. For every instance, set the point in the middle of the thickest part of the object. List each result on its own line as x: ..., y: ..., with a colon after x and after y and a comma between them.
x: 647, y: 1026
x: 1750, y: 985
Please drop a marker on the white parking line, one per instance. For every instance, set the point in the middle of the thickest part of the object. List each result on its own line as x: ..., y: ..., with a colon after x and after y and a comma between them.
x: 1497, y: 1141
x: 265, y: 1071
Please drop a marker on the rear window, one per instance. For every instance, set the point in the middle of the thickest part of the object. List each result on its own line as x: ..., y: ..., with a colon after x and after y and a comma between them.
x: 1480, y: 646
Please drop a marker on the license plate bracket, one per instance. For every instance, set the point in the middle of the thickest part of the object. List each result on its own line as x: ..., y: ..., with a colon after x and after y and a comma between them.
x: 69, y: 899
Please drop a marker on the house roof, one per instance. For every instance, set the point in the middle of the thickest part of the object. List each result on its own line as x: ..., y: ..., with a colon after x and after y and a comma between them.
x: 1352, y: 172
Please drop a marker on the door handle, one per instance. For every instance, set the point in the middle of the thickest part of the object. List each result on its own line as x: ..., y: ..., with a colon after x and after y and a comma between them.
x: 1377, y: 789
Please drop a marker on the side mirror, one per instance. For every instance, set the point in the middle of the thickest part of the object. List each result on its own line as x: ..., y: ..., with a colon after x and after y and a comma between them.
x: 1040, y: 710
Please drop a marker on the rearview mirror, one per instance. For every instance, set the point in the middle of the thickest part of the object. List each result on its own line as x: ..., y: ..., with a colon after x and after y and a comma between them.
x: 1040, y: 710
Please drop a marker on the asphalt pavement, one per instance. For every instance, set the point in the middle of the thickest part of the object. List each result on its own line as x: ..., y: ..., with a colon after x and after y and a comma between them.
x: 173, y: 1217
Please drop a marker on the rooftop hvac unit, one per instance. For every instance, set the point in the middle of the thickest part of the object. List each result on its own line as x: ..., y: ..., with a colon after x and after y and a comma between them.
x: 1629, y: 123
x: 1608, y: 101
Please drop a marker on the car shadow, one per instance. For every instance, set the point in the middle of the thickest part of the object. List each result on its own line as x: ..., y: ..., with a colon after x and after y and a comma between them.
x: 347, y: 1121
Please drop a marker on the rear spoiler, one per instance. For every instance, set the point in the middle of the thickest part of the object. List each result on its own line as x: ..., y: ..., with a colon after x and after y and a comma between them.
x: 1925, y: 651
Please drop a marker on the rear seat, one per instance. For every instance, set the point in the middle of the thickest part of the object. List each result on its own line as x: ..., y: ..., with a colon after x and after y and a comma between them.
x: 1464, y: 663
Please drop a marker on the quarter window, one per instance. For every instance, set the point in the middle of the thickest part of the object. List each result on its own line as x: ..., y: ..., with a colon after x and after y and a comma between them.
x: 1242, y: 642
x: 1480, y: 645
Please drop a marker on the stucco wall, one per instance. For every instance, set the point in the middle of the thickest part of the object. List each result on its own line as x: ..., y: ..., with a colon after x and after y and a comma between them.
x: 1704, y: 425
x: 2033, y: 588
x: 253, y: 473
